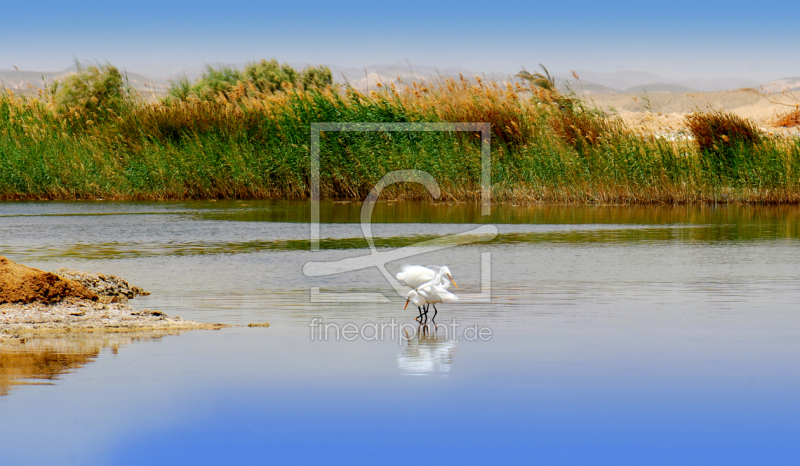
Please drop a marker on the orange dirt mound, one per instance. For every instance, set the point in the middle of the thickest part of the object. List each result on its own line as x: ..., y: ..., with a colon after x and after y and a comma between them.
x: 20, y: 284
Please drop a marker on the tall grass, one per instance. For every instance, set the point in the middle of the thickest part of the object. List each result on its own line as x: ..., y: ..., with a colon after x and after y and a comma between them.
x: 251, y: 143
x: 257, y: 78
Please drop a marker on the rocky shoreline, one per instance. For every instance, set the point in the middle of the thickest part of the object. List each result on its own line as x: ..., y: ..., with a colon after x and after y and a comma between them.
x: 34, y: 302
x: 113, y: 288
x: 76, y: 315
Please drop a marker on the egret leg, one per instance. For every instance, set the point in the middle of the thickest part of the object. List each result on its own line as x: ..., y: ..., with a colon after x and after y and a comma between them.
x: 435, y: 311
x: 419, y: 318
x: 427, y: 306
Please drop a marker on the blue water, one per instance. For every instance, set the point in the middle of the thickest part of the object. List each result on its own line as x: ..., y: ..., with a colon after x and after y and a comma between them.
x: 605, y: 349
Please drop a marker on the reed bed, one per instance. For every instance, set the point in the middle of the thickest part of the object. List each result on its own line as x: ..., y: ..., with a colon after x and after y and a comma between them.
x: 546, y: 147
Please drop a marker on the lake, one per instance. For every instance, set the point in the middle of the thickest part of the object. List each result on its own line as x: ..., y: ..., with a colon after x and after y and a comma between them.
x: 584, y: 335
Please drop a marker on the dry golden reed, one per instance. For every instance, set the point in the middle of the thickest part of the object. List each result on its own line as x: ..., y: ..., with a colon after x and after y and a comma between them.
x: 245, y: 143
x: 790, y: 119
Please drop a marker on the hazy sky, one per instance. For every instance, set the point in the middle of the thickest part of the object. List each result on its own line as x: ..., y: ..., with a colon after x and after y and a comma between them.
x: 699, y: 38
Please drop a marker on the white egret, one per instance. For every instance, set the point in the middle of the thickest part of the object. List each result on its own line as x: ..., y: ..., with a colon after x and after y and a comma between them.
x: 417, y: 275
x: 418, y: 300
x: 432, y: 294
x: 430, y: 287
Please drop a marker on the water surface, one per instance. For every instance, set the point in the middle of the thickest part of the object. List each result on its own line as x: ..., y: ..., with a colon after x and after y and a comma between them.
x: 619, y: 335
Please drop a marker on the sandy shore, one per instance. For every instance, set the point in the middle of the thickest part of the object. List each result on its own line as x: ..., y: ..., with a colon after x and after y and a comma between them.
x: 76, y: 315
x: 35, y: 302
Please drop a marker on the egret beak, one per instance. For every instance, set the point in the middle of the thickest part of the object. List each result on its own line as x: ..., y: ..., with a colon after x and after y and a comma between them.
x: 407, y: 300
x: 454, y: 282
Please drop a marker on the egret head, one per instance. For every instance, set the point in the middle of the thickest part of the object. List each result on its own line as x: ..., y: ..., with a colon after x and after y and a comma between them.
x: 446, y: 272
x: 414, y: 297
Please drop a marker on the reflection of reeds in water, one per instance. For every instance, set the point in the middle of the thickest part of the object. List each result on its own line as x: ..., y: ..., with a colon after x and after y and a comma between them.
x: 425, y: 353
x: 19, y: 365
x: 469, y: 212
x: 660, y: 229
x: 36, y: 360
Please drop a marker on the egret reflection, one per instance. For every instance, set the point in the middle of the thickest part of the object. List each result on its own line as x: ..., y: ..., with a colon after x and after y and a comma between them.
x: 426, y: 353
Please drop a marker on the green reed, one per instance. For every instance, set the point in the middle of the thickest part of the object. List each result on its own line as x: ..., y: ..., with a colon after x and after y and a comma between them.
x: 546, y: 147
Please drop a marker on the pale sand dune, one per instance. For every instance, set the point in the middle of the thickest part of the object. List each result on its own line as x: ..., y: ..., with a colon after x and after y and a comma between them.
x: 666, y: 111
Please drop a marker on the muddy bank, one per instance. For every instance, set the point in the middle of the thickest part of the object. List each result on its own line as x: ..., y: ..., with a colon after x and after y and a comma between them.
x: 33, y: 301
x: 21, y: 284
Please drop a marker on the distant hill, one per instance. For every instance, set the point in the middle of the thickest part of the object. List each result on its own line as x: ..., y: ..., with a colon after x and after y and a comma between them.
x: 589, y: 84
x: 367, y: 77
x: 29, y: 81
x: 620, y: 79
x: 360, y: 78
x: 716, y: 84
x: 780, y: 85
x: 583, y: 87
x: 658, y: 87
x: 25, y: 80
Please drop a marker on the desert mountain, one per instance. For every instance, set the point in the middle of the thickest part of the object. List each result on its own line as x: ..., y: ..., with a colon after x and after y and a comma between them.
x: 589, y: 84
x: 780, y: 85
x: 30, y: 81
x: 658, y: 87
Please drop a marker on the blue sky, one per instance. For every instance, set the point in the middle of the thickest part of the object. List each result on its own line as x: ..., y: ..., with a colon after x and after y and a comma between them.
x: 677, y: 38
